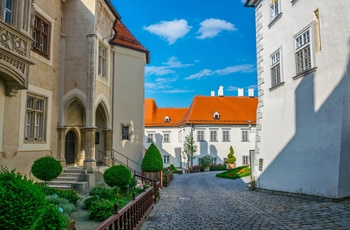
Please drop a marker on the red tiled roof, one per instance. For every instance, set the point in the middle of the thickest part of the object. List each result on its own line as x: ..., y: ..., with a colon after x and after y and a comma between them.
x: 123, y: 37
x: 232, y: 110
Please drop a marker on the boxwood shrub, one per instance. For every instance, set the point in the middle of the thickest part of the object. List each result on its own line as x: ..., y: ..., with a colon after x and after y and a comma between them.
x: 46, y: 168
x: 152, y: 161
x: 117, y: 176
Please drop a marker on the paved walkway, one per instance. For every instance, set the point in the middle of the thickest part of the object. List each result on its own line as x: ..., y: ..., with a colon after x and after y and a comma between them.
x: 204, y: 201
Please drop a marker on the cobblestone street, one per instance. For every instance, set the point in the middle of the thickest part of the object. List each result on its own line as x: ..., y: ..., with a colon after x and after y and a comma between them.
x: 204, y: 201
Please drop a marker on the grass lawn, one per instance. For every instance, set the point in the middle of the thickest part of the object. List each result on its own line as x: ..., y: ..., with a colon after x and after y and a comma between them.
x: 235, y: 173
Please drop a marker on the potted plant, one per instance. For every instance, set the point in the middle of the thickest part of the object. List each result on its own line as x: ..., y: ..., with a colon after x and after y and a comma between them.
x: 206, y: 161
x: 231, y: 161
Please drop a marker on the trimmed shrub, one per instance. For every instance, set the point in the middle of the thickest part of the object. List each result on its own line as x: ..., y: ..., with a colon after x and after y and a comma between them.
x: 231, y: 159
x: 23, y: 201
x: 46, y: 168
x: 101, y: 210
x: 172, y: 167
x: 152, y: 161
x: 117, y: 176
x: 52, y: 219
x: 71, y: 195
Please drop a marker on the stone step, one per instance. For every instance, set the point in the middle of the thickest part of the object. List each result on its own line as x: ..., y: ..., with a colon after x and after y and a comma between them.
x: 60, y: 186
x: 67, y: 178
x: 77, y: 185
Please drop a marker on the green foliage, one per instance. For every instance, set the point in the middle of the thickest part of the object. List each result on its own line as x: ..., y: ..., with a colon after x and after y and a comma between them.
x: 23, y: 201
x: 189, y: 149
x: 206, y: 161
x: 62, y: 203
x: 152, y: 161
x: 235, y: 173
x: 89, y: 201
x: 217, y: 167
x: 71, y: 195
x: 101, y: 210
x: 172, y: 167
x: 117, y: 176
x: 231, y: 159
x: 103, y: 192
x: 46, y: 168
x: 52, y: 219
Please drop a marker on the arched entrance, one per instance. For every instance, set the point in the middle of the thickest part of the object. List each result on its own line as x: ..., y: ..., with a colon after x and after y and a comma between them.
x: 70, y: 148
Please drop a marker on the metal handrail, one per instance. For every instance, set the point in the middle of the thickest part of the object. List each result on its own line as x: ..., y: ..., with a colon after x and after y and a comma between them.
x: 127, y: 158
x: 116, y: 161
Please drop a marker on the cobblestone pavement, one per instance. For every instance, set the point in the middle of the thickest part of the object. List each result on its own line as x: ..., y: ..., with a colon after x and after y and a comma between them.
x: 204, y: 201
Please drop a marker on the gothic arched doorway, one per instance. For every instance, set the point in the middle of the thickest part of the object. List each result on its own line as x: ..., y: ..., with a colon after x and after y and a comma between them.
x: 70, y: 148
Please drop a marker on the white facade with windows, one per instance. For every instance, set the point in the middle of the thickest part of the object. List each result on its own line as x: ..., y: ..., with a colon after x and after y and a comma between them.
x: 303, y: 116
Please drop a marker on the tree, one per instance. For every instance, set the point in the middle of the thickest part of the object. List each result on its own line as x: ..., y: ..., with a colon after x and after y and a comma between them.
x: 189, y: 150
x: 46, y: 168
x: 152, y: 161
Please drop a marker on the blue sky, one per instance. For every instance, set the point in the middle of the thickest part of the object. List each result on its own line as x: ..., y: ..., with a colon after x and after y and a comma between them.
x: 195, y: 46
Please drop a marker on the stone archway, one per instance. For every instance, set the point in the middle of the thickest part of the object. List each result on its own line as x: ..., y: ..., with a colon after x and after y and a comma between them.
x: 103, y: 135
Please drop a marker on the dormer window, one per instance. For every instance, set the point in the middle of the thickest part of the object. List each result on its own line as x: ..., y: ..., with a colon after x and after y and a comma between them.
x: 216, y: 116
x: 166, y: 119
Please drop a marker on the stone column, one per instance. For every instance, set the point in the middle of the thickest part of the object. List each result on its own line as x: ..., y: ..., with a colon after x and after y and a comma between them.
x: 108, y: 147
x: 91, y: 80
x: 61, y: 145
x: 90, y: 161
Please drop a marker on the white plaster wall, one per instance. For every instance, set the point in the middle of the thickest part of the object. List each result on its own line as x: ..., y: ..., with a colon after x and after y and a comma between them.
x: 302, y: 119
x: 128, y: 102
x: 2, y: 110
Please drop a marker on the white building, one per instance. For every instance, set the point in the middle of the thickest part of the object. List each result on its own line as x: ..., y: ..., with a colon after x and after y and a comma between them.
x: 303, y: 116
x: 216, y: 123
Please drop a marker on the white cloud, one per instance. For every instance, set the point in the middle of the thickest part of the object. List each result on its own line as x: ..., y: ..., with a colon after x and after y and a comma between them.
x: 177, y: 91
x: 243, y: 1
x: 212, y: 27
x: 232, y: 88
x: 169, y: 30
x: 160, y: 83
x: 201, y: 74
x: 168, y: 67
x: 247, y: 68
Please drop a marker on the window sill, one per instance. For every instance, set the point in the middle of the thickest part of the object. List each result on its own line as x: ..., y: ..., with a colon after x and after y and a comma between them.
x: 277, y: 86
x: 275, y: 19
x: 305, y: 73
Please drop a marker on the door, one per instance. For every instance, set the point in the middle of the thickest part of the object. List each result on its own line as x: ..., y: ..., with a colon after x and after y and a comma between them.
x: 70, y: 148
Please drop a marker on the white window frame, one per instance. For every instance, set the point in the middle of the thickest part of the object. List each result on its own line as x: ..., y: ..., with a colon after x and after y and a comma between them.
x: 200, y: 135
x: 213, y: 135
x: 35, y: 119
x: 166, y: 137
x: 166, y: 159
x: 102, y: 60
x: 150, y: 137
x: 225, y: 135
x: 245, y: 135
x: 275, y: 9
x: 180, y: 136
x: 304, y: 50
x: 245, y: 160
x: 276, y: 68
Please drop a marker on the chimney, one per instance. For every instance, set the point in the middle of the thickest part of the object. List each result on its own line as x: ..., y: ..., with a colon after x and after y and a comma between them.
x: 251, y: 92
x: 240, y: 92
x: 212, y: 93
x: 221, y: 91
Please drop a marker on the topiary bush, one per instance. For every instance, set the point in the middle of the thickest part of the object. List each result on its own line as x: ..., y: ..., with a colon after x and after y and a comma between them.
x: 22, y: 202
x: 46, y: 168
x: 231, y: 159
x: 152, y: 161
x: 172, y: 167
x: 117, y: 176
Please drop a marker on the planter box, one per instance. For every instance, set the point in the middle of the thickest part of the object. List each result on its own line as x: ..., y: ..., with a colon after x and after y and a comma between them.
x: 230, y: 166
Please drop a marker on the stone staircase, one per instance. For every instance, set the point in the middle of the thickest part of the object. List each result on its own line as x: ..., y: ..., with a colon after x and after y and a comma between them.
x: 71, y: 178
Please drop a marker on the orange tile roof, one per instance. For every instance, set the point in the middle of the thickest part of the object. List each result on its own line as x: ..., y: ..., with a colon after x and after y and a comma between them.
x: 123, y: 37
x: 232, y: 111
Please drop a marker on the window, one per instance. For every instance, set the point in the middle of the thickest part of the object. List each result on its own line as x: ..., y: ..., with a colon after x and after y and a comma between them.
x: 125, y: 132
x: 166, y: 119
x: 213, y: 135
x: 200, y: 135
x: 245, y: 135
x: 216, y: 116
x: 274, y: 9
x: 214, y: 161
x: 276, y: 68
x: 102, y: 61
x: 35, y: 118
x: 41, y: 36
x: 150, y: 137
x: 166, y: 159
x: 303, y: 51
x: 180, y: 136
x: 166, y: 137
x: 9, y: 10
x: 245, y: 160
x: 225, y: 135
